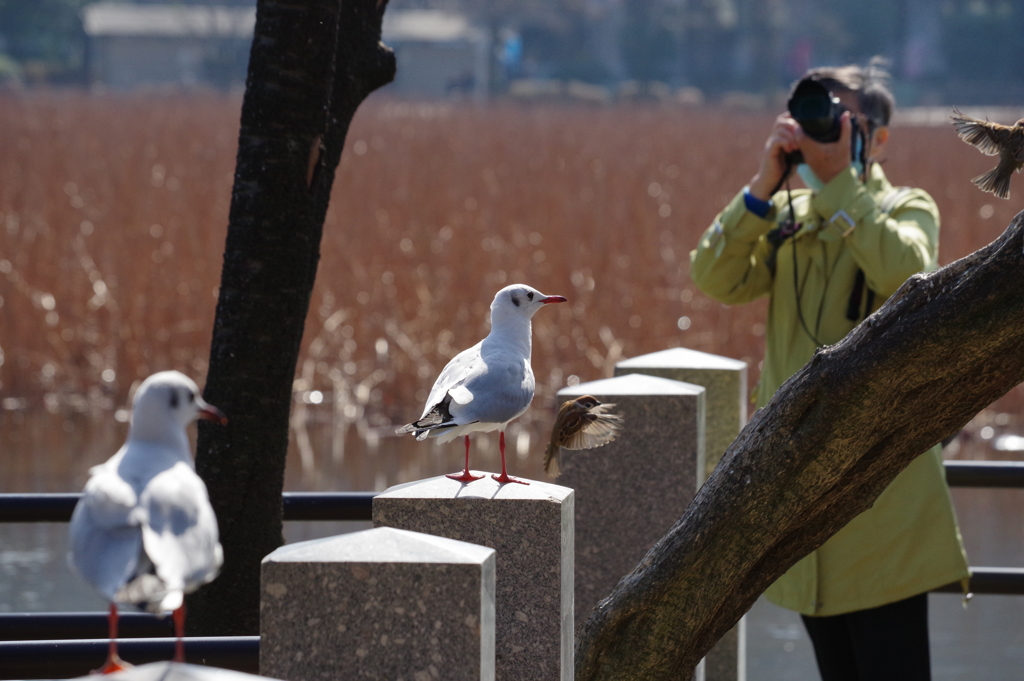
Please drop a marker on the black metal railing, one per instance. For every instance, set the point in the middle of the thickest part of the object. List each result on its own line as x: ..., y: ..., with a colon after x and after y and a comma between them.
x: 70, y: 659
x: 40, y: 626
x: 985, y: 473
x: 29, y: 648
x: 57, y: 508
x: 51, y: 626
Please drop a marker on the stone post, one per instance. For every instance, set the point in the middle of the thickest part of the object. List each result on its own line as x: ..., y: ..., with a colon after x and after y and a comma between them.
x: 725, y: 380
x: 531, y: 529
x: 378, y: 604
x: 631, y: 491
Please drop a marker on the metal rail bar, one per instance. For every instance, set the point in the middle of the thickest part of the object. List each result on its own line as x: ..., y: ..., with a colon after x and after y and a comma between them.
x: 37, y: 508
x: 985, y: 473
x: 52, y: 659
x: 994, y: 581
x: 328, y: 505
x: 69, y: 659
x: 48, y: 626
x: 37, y: 626
x: 57, y: 508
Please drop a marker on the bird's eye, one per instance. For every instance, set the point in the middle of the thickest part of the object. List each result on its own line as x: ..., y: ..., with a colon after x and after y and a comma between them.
x: 191, y: 397
x: 530, y: 295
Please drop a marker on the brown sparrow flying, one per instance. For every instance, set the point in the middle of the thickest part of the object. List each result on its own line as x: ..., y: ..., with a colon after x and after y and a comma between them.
x: 1006, y: 141
x: 582, y: 423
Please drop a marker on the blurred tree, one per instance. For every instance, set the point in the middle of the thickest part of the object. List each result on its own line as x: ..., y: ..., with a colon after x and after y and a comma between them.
x: 984, y: 49
x: 710, y: 36
x: 647, y: 45
x: 311, y: 65
x: 762, y: 45
x: 849, y: 33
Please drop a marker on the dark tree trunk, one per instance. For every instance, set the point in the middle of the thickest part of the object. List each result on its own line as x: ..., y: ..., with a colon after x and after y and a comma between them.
x: 833, y: 437
x: 312, y: 63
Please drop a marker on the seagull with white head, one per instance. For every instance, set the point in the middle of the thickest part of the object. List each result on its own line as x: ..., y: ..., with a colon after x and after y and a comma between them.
x: 144, y: 533
x: 483, y: 388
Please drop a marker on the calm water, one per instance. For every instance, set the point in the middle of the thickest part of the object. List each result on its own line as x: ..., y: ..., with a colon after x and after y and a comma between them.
x: 51, y: 453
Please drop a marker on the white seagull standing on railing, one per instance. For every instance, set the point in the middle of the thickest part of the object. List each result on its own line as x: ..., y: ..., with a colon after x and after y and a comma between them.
x: 144, y: 533
x: 491, y: 383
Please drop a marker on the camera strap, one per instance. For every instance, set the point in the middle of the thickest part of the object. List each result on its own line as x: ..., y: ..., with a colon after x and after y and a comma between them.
x: 789, y: 226
x: 776, y: 237
x: 786, y: 228
x: 860, y: 288
x: 853, y: 305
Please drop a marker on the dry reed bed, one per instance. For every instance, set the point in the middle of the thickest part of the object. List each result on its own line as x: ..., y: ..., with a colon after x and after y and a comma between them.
x: 113, y: 214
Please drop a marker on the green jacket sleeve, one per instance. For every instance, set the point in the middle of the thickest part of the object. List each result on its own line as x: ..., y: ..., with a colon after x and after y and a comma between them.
x: 888, y: 247
x: 729, y: 262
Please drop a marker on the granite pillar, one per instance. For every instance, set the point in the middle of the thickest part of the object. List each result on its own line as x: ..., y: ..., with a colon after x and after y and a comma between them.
x: 725, y: 381
x: 531, y: 529
x: 631, y: 491
x: 378, y: 604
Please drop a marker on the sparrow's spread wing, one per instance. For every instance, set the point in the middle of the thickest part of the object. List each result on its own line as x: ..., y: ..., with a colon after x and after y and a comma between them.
x: 990, y: 138
x: 580, y: 427
x: 595, y: 429
x: 584, y: 423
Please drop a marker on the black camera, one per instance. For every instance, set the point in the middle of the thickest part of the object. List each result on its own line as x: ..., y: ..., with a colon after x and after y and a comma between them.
x: 817, y: 111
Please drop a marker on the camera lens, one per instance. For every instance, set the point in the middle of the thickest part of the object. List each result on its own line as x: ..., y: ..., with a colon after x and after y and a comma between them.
x: 816, y: 110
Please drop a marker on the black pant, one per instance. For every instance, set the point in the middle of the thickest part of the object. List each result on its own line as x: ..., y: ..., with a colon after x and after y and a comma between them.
x: 878, y: 644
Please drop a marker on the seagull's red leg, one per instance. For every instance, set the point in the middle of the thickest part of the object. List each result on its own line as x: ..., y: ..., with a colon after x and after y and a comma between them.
x: 505, y: 477
x: 465, y: 475
x: 179, y: 631
x: 113, y: 663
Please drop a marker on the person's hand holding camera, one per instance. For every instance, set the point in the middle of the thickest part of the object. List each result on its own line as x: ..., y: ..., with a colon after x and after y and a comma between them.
x: 784, y: 139
x: 826, y: 159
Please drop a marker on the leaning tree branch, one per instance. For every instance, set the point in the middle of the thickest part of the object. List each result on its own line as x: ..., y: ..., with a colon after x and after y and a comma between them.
x: 944, y: 347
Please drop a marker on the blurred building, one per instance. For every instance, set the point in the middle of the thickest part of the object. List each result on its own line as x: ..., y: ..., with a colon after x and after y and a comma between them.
x: 962, y: 51
x: 130, y: 45
x: 439, y: 52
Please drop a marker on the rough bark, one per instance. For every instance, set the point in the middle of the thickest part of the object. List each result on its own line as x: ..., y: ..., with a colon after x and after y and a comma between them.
x: 311, y: 65
x: 833, y: 437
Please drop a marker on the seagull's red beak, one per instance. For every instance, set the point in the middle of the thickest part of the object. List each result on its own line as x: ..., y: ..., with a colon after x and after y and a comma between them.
x: 212, y: 413
x: 553, y: 299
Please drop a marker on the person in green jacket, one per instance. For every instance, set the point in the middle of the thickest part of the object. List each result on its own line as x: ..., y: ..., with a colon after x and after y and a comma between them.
x: 827, y: 257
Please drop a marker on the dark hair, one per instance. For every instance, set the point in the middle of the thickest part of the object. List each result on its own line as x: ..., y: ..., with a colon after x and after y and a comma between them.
x: 870, y: 83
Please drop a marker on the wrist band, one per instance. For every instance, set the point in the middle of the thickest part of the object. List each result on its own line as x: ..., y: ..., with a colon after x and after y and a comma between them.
x: 755, y: 205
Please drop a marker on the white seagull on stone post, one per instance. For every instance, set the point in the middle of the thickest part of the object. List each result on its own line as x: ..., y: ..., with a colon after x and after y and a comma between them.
x: 491, y: 383
x: 144, y: 533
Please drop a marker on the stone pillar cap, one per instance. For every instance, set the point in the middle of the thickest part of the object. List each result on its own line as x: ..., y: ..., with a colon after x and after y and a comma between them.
x: 631, y: 384
x: 177, y: 671
x: 381, y: 545
x: 681, y: 358
x: 443, y: 487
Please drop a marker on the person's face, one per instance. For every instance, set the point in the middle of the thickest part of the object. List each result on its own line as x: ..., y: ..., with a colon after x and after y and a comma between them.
x: 881, y: 134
